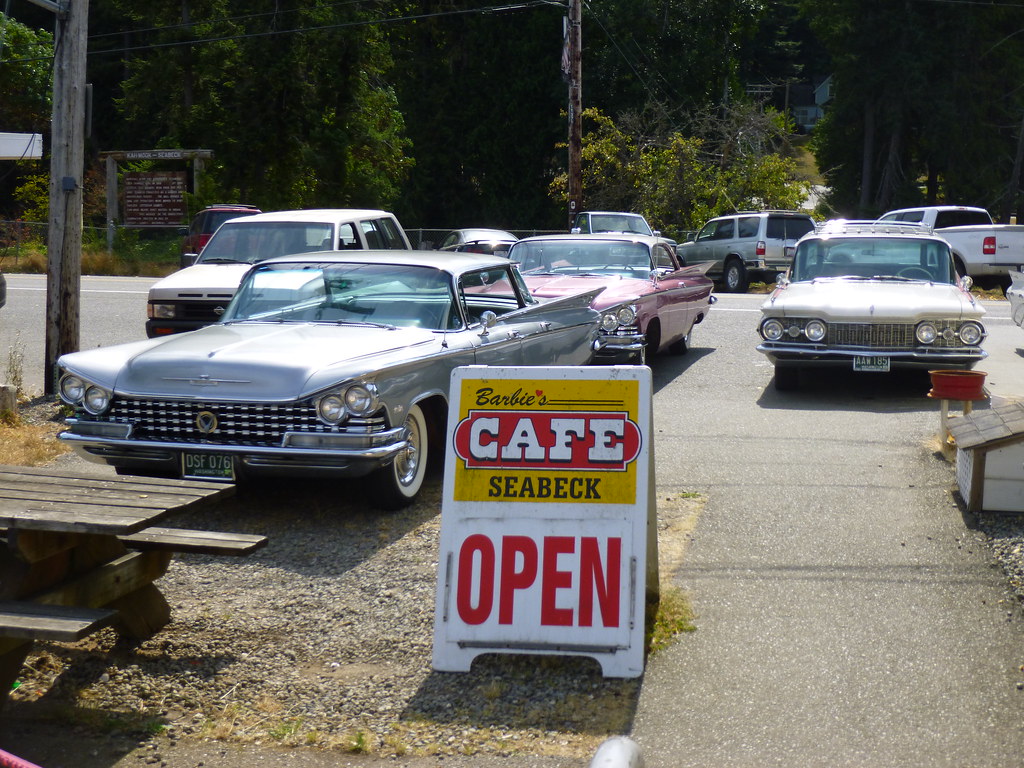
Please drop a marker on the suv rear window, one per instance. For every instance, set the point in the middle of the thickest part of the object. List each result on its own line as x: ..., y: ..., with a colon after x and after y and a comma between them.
x: 748, y: 226
x: 787, y: 227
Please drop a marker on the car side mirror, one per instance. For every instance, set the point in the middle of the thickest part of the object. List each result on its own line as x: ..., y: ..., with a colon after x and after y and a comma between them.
x: 188, y: 259
x: 182, y: 231
x: 967, y: 282
x: 488, y: 319
x: 576, y: 231
x: 782, y: 280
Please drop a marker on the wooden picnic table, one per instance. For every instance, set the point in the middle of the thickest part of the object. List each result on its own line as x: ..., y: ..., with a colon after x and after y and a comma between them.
x: 81, y: 552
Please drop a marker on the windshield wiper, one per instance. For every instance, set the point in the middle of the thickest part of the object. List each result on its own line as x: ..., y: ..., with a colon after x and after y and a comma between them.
x: 222, y: 260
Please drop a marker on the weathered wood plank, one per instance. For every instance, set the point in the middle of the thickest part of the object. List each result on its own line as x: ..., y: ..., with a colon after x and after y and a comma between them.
x: 35, y: 621
x: 204, y: 542
x: 80, y: 520
x: 108, y: 582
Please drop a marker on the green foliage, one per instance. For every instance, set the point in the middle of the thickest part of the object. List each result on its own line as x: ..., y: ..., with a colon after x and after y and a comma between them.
x: 679, y: 182
x: 927, y: 106
x: 33, y: 196
x: 24, y: 76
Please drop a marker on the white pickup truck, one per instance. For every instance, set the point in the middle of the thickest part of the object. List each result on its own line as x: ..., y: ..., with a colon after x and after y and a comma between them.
x: 198, y: 295
x: 981, y: 248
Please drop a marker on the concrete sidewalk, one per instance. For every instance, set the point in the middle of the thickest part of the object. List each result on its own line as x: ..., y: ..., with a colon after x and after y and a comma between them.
x: 847, y: 615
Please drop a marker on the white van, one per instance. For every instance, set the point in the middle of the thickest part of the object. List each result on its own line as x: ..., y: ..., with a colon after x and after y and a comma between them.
x: 199, y: 294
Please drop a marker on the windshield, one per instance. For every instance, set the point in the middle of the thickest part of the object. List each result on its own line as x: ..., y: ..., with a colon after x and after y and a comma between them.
x: 583, y: 257
x: 896, y: 258
x: 611, y: 222
x: 377, y: 294
x: 249, y: 242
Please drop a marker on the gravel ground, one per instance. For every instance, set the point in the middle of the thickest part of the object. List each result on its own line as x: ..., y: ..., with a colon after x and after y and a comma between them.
x: 323, y: 640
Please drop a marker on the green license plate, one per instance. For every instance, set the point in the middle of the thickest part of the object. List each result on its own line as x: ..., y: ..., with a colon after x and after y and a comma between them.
x: 207, y: 466
x: 871, y: 364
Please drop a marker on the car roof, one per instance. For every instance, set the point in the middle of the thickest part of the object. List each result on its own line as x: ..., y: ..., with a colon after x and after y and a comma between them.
x: 454, y: 262
x: 615, y: 213
x: 481, y: 233
x: 625, y: 237
x: 327, y: 215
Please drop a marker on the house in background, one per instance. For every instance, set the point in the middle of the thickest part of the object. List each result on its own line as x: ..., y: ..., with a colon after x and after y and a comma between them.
x: 807, y: 102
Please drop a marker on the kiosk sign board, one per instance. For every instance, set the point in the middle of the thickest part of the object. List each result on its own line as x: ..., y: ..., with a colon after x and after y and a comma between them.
x: 547, y: 524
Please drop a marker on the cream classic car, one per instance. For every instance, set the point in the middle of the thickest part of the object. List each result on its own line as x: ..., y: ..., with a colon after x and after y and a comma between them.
x: 870, y: 297
x: 324, y: 365
x: 1015, y: 293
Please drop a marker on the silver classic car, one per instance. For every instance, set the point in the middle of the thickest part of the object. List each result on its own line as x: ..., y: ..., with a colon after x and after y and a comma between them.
x: 870, y: 297
x: 325, y: 364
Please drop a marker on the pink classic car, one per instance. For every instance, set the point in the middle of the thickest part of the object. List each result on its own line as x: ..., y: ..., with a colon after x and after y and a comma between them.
x: 650, y: 301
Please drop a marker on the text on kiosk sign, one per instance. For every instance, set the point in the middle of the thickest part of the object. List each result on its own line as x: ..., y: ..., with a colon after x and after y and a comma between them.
x: 566, y: 441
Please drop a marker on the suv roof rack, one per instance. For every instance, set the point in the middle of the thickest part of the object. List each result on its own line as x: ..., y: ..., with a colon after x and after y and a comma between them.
x: 766, y: 210
x: 871, y: 227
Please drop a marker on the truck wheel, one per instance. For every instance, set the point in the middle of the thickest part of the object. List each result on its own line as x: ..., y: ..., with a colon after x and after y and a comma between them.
x: 396, y: 485
x: 734, y: 276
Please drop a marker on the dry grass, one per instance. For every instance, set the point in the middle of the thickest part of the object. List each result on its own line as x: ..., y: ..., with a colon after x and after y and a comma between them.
x: 94, y: 262
x: 29, y: 438
x: 29, y: 445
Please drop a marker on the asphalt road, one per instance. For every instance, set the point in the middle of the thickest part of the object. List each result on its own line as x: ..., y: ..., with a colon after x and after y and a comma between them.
x: 847, y: 613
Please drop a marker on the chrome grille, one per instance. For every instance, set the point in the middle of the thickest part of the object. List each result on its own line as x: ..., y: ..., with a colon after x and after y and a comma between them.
x: 238, y: 423
x: 889, y: 335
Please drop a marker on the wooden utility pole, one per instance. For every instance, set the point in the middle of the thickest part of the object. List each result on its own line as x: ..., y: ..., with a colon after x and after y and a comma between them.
x: 67, y: 162
x: 575, y: 110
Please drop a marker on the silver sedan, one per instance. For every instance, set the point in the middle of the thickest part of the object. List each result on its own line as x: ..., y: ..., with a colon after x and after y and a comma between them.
x: 327, y: 364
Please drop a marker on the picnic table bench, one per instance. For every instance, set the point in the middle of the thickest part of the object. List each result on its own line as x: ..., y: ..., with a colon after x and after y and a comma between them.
x: 81, y: 552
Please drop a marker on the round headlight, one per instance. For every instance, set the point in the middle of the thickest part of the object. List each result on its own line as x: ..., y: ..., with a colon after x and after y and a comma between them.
x: 96, y: 400
x: 626, y: 315
x: 360, y: 400
x: 772, y: 329
x: 971, y: 333
x: 815, y: 330
x: 72, y: 389
x: 926, y: 333
x: 608, y: 322
x: 331, y: 409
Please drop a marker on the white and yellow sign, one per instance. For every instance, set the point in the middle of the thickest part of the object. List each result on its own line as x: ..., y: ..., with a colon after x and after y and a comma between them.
x: 547, y: 516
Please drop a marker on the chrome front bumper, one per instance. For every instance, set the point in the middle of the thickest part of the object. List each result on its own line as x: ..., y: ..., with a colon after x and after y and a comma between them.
x: 301, y: 454
x: 820, y: 355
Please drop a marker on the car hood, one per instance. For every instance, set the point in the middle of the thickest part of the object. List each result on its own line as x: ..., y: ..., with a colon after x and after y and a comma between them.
x: 247, y: 361
x: 200, y: 281
x: 861, y: 300
x: 616, y: 289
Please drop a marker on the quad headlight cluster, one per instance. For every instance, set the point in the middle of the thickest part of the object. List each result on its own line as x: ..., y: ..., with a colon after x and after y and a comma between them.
x: 80, y: 393
x: 616, y: 319
x: 357, y: 400
x: 970, y: 333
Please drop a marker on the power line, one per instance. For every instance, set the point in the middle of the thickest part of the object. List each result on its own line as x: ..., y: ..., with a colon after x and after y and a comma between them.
x: 298, y: 30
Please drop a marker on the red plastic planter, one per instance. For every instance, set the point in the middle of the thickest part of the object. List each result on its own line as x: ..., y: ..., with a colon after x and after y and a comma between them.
x: 958, y: 385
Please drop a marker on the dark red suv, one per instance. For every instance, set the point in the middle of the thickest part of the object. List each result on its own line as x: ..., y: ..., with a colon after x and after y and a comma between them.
x: 205, y: 223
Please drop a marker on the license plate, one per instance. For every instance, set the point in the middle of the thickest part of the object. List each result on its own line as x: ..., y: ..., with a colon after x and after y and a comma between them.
x: 871, y: 364
x: 207, y: 466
